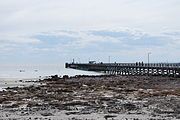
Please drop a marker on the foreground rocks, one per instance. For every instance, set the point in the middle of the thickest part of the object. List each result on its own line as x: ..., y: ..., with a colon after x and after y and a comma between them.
x: 94, y: 97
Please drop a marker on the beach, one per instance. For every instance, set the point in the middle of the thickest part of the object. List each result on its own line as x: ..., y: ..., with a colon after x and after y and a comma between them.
x: 11, y: 75
x: 94, y: 97
x: 90, y: 60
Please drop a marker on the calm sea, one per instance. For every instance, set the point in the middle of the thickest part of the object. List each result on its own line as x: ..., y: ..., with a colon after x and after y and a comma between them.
x: 11, y: 74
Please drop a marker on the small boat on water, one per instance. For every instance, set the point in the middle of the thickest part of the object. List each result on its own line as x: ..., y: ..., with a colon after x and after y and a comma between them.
x: 21, y: 70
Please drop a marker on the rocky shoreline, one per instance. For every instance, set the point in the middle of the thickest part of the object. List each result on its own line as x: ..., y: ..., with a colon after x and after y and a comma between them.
x: 94, y: 97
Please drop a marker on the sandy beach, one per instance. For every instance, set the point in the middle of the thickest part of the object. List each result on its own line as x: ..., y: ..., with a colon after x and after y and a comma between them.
x: 94, y: 98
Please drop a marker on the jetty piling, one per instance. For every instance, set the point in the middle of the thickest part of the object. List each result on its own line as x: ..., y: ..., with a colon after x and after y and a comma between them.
x: 154, y: 69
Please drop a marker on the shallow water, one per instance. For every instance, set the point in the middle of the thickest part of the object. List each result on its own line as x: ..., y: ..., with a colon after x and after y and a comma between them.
x: 11, y: 74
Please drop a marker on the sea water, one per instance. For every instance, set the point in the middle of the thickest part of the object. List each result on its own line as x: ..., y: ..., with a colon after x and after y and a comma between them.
x: 10, y: 75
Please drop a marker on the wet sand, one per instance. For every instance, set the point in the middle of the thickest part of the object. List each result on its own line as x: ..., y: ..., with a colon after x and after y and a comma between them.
x: 94, y: 97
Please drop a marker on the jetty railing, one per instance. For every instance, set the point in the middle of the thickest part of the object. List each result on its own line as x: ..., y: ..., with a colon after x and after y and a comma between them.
x: 155, y: 69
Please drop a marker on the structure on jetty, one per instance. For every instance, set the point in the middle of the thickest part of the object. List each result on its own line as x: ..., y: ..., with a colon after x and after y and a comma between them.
x: 155, y: 69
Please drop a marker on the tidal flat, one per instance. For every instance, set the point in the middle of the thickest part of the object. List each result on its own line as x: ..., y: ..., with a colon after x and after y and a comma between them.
x: 101, y: 97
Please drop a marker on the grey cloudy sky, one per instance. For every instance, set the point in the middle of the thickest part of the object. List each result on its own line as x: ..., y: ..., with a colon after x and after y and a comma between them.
x: 53, y: 31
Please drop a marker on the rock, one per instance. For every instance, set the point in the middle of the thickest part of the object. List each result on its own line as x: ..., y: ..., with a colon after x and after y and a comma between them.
x: 109, y: 116
x: 73, y: 103
x: 2, y: 99
x: 65, y: 77
x: 72, y: 113
x: 47, y: 114
x: 96, y: 94
x: 129, y: 106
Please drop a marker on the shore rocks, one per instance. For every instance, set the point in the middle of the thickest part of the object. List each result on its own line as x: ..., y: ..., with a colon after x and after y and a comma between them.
x: 81, y: 95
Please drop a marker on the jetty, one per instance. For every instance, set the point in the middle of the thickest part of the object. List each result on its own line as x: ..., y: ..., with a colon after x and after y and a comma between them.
x: 138, y: 68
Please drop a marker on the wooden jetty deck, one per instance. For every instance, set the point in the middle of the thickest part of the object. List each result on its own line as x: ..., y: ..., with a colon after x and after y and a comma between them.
x: 155, y: 69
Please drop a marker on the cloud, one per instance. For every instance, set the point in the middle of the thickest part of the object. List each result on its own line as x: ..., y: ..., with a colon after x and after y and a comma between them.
x: 134, y: 38
x: 103, y: 39
x: 172, y: 33
x: 18, y: 40
x: 89, y: 28
x: 114, y: 34
x: 37, y: 16
x: 51, y: 40
x: 70, y: 41
x: 97, y: 43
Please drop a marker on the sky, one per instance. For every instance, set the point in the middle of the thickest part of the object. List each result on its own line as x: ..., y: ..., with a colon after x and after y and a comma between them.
x: 57, y: 31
